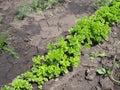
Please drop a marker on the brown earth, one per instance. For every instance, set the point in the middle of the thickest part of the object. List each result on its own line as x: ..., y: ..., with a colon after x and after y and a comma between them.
x: 30, y: 36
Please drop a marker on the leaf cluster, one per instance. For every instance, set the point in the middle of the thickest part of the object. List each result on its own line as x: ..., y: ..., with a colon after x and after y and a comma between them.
x: 60, y: 56
x: 88, y: 31
x: 108, y: 15
x: 42, y: 4
x: 18, y: 84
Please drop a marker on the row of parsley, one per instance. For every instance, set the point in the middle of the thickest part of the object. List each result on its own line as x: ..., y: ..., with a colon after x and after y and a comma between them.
x: 65, y: 53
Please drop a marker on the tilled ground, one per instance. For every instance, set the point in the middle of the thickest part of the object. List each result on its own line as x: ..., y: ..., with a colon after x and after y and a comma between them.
x: 30, y: 36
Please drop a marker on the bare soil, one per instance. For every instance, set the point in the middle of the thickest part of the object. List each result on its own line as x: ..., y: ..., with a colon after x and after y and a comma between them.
x: 30, y: 36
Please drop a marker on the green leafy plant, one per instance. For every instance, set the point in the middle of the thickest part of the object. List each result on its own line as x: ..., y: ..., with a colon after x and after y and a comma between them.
x: 20, y: 84
x: 8, y: 88
x: 93, y: 55
x: 108, y: 15
x: 111, y: 69
x: 4, y: 44
x: 35, y: 5
x: 22, y: 11
x: 1, y: 20
x: 42, y: 4
x: 104, y: 71
x: 101, y: 71
x: 66, y: 52
x: 88, y: 31
x: 117, y: 62
x: 99, y: 3
x: 109, y: 73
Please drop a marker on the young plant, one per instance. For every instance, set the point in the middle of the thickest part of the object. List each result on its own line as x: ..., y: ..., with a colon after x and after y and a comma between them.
x: 8, y: 88
x: 108, y: 15
x: 1, y: 20
x: 42, y: 4
x: 4, y: 44
x: 88, y: 31
x: 35, y: 5
x: 20, y: 84
x: 102, y: 71
x: 110, y: 70
x: 22, y: 12
x: 93, y: 55
x: 117, y: 62
x: 99, y: 3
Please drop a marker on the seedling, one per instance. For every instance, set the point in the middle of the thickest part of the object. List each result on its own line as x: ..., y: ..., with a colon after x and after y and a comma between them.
x: 4, y: 44
x: 8, y: 88
x: 117, y: 62
x: 20, y: 84
x: 93, y: 55
x: 35, y: 5
x: 99, y: 3
x: 102, y: 71
x: 40, y: 5
x: 22, y: 12
x: 1, y: 20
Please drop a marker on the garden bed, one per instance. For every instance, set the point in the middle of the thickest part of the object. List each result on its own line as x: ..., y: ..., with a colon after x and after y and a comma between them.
x: 30, y: 36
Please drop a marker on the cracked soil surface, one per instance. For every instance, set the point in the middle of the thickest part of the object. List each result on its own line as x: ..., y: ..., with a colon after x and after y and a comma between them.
x: 30, y: 36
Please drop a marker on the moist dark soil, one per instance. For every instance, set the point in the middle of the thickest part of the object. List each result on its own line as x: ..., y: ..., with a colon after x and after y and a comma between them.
x: 29, y: 37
